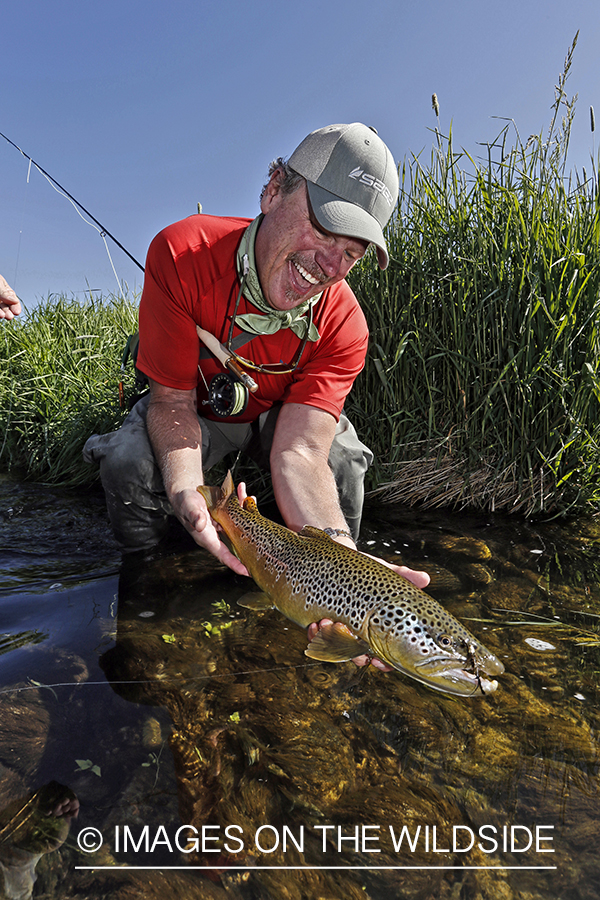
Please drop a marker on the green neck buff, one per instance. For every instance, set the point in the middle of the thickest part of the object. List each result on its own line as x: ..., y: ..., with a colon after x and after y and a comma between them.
x: 270, y: 320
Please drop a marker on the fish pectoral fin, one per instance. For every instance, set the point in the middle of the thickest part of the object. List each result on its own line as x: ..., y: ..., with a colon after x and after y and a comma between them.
x: 256, y: 601
x: 336, y: 643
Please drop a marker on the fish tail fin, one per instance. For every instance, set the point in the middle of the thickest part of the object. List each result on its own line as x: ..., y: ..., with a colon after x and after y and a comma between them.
x: 228, y: 487
x: 217, y: 496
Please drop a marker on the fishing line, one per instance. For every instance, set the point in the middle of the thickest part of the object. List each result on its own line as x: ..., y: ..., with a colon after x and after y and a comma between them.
x: 36, y: 687
x: 25, y: 197
x: 103, y: 232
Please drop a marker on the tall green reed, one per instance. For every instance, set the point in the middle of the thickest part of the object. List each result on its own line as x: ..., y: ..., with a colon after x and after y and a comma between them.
x: 60, y: 383
x: 481, y: 384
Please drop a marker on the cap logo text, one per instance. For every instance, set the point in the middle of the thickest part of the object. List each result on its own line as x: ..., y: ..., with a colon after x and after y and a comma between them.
x: 370, y: 181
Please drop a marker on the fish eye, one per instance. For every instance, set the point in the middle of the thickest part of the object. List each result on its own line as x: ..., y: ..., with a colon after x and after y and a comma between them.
x: 444, y: 641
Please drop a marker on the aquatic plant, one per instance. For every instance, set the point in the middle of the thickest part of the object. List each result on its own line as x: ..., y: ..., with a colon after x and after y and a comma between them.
x: 60, y: 383
x: 481, y: 383
x: 84, y: 764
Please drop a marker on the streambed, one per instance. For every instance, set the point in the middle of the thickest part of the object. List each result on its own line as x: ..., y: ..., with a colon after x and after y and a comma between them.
x: 145, y: 692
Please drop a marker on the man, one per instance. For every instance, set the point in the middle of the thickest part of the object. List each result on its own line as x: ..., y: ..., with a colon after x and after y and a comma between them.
x: 10, y: 305
x: 276, y: 283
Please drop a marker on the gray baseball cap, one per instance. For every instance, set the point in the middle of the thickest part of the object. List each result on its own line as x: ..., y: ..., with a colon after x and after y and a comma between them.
x: 352, y: 181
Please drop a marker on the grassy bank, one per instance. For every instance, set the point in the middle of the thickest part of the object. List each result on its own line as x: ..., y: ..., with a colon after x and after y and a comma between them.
x: 481, y: 385
x: 60, y: 383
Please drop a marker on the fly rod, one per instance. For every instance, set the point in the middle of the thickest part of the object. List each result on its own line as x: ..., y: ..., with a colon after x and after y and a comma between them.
x: 70, y: 196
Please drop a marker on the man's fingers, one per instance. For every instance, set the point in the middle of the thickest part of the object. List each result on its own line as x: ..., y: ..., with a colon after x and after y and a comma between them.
x: 10, y: 305
x: 233, y: 562
x: 416, y: 577
x: 203, y: 530
x: 313, y: 628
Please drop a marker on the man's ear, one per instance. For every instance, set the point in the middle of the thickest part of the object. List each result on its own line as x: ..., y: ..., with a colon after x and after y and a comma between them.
x: 272, y: 191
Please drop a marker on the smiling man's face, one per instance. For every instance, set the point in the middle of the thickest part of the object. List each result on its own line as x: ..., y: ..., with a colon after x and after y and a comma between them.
x: 295, y: 257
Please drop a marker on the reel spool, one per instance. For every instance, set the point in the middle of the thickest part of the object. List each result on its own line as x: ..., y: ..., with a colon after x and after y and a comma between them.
x: 227, y: 396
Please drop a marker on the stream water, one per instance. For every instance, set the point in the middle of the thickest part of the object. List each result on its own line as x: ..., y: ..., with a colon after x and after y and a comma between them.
x: 210, y: 758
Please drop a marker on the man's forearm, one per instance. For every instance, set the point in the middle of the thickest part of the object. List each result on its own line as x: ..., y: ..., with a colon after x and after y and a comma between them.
x: 306, y: 493
x: 304, y: 485
x: 176, y: 439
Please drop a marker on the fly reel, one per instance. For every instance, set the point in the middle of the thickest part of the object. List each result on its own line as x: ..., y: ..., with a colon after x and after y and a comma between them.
x: 227, y: 396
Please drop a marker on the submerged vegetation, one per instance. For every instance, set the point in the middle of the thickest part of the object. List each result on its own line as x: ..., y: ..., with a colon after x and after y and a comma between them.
x: 481, y: 383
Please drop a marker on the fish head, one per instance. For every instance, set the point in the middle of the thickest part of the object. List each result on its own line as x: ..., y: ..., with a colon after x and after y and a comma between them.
x: 422, y: 640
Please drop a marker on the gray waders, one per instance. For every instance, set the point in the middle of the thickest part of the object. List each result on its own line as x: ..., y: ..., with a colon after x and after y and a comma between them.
x: 135, y: 496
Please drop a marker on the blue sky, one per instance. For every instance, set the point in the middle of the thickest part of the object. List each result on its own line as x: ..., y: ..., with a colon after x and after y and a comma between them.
x: 142, y: 108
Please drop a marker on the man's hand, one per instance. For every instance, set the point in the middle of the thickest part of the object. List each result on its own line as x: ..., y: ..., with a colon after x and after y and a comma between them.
x: 415, y: 576
x: 67, y: 808
x: 419, y: 579
x: 191, y: 510
x: 176, y: 437
x: 10, y: 305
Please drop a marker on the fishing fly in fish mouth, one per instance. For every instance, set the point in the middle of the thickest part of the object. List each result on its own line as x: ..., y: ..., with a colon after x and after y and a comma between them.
x: 308, y: 577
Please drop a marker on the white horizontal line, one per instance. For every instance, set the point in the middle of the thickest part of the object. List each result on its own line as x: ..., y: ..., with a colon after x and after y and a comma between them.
x: 219, y: 868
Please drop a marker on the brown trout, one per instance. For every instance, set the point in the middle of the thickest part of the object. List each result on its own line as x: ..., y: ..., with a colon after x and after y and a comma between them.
x: 309, y: 576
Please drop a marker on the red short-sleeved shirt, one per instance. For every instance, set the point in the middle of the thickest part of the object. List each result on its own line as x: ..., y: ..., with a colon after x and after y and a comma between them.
x: 191, y: 279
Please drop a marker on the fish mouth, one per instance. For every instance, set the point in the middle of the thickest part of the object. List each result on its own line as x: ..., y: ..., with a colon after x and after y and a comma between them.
x: 450, y: 676
x: 466, y: 683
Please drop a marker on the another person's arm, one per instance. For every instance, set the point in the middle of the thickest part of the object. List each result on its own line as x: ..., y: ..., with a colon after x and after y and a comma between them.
x: 10, y: 305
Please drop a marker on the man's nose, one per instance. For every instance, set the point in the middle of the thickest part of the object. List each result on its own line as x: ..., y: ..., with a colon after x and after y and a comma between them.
x: 330, y: 261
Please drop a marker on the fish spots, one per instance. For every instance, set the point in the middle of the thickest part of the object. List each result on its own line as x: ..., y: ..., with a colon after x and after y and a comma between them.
x: 418, y: 626
x: 313, y: 576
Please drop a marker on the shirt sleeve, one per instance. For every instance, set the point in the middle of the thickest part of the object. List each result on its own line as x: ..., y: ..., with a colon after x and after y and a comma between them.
x: 169, y: 345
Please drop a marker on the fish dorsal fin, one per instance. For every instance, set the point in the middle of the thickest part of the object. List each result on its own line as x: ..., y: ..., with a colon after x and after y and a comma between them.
x: 336, y: 643
x: 313, y: 532
x: 256, y: 601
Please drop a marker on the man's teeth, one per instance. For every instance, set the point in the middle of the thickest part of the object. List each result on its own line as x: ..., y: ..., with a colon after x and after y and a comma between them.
x: 306, y: 275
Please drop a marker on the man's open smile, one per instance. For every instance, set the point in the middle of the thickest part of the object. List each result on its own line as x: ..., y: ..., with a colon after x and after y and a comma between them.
x: 295, y: 257
x: 305, y: 273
